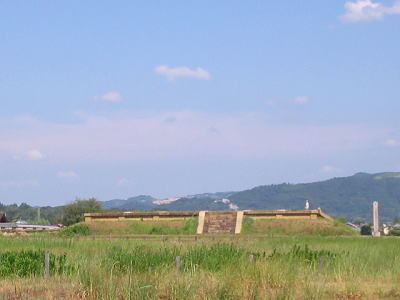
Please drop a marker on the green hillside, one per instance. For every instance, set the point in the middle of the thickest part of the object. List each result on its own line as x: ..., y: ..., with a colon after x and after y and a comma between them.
x: 348, y: 197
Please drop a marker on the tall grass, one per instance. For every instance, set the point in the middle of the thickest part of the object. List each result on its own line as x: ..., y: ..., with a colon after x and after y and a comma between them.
x: 281, y: 268
x: 30, y: 263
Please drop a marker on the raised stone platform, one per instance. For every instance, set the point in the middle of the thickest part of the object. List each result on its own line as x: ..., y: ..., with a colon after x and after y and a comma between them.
x: 184, y: 215
x: 210, y: 222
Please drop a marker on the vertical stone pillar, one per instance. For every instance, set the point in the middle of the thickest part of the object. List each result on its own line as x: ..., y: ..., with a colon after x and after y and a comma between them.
x: 375, y: 231
x: 239, y: 221
x: 200, y: 225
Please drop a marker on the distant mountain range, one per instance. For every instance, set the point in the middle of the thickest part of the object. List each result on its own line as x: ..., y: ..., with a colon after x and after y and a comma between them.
x: 349, y: 197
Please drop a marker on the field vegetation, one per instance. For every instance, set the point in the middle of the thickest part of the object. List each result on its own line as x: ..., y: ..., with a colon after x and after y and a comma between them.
x: 244, y: 268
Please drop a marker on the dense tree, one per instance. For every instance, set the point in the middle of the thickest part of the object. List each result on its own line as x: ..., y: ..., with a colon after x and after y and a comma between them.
x: 48, y: 215
x: 74, y: 212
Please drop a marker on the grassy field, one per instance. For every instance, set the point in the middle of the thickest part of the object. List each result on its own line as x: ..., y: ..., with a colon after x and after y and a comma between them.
x: 304, y: 267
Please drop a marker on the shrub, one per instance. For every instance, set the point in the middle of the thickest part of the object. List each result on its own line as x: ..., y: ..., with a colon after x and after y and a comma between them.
x: 306, y: 254
x: 366, y: 230
x: 78, y: 229
x: 395, y: 232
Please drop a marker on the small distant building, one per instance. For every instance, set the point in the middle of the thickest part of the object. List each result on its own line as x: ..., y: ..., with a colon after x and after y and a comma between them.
x: 396, y: 226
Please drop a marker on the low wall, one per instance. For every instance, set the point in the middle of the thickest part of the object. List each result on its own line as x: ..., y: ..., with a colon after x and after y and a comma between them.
x: 184, y: 215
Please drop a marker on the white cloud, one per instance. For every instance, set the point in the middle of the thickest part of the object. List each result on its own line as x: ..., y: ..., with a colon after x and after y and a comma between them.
x: 67, y: 175
x: 330, y: 169
x: 173, y: 73
x: 17, y: 184
x: 392, y: 143
x: 123, y: 182
x: 147, y: 137
x: 113, y: 97
x: 302, y: 100
x: 30, y: 155
x: 368, y: 11
x: 34, y: 155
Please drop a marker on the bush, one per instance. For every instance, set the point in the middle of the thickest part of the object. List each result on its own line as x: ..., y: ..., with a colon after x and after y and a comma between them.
x: 366, y: 230
x: 78, y: 229
x: 306, y: 254
x: 395, y: 232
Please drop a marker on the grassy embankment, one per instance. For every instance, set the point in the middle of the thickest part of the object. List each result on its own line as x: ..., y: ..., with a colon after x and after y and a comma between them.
x: 321, y: 227
x: 272, y: 227
x: 282, y: 268
x: 170, y: 227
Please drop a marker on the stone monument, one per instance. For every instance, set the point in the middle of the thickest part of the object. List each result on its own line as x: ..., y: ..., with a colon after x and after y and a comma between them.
x: 307, y: 207
x: 375, y: 231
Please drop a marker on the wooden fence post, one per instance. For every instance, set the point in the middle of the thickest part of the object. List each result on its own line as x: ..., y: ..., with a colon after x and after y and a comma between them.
x: 321, y: 264
x: 46, y: 264
x: 251, y: 258
x: 178, y: 263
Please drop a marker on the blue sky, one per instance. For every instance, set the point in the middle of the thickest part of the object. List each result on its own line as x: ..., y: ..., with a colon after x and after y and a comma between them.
x: 117, y: 98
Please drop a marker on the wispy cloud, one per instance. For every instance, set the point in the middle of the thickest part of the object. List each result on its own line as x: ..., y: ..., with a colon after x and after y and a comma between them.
x: 392, y: 143
x: 330, y: 169
x: 123, y: 182
x: 67, y: 175
x: 368, y: 11
x: 113, y: 97
x: 34, y: 155
x: 149, y: 137
x: 29, y: 155
x: 173, y: 73
x: 302, y: 100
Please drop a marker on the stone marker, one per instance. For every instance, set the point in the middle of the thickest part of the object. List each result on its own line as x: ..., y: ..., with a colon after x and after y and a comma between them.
x: 307, y: 207
x: 178, y: 263
x: 375, y: 231
x: 46, y: 264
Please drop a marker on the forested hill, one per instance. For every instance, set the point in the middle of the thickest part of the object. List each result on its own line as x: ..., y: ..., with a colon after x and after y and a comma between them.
x: 349, y: 197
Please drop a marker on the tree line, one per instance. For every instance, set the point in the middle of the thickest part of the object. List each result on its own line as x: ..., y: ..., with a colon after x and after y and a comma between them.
x: 66, y: 215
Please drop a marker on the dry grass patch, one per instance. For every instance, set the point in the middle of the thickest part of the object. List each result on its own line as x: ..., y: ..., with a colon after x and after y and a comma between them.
x: 40, y: 288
